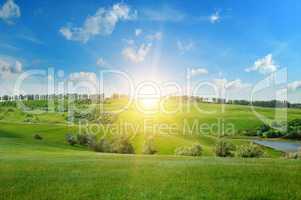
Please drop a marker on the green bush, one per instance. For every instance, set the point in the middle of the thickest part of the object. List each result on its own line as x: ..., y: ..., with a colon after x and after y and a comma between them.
x: 224, y: 148
x: 294, y: 155
x: 264, y: 128
x: 10, y: 110
x: 250, y: 151
x: 266, y: 131
x: 272, y: 134
x: 28, y: 120
x: 107, y: 118
x: 250, y: 132
x: 37, y: 137
x: 279, y: 130
x: 194, y: 150
x: 71, y: 139
x: 83, y: 139
x: 294, y: 129
x: 122, y: 145
x: 149, y: 147
x: 103, y: 145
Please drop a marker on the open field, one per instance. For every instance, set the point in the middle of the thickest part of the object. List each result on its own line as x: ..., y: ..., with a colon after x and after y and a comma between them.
x: 37, y: 172
x: 52, y: 169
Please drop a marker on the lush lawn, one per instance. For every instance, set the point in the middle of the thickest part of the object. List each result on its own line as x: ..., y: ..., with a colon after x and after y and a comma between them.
x: 241, y: 117
x: 36, y: 174
x: 52, y: 169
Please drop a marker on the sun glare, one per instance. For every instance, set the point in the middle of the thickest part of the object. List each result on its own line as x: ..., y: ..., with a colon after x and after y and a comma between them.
x: 149, y: 104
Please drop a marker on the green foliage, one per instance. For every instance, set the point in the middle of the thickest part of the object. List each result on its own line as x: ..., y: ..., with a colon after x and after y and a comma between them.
x: 83, y: 139
x: 250, y: 151
x: 78, y: 116
x: 267, y: 131
x: 224, y: 148
x: 37, y: 137
x: 250, y: 132
x: 107, y: 118
x: 149, y: 147
x: 294, y: 129
x: 294, y: 155
x: 103, y: 145
x: 121, y: 144
x: 194, y: 150
x: 8, y: 104
x: 264, y: 128
x: 10, y: 110
x: 272, y: 133
x: 71, y: 139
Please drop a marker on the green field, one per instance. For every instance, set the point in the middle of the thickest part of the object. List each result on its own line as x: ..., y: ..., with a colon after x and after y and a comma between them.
x: 52, y: 169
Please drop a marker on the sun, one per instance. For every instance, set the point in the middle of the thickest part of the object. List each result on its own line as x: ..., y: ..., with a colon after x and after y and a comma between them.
x: 150, y: 104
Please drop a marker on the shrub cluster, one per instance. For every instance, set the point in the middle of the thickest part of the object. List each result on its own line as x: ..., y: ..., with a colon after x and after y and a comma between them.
x: 71, y: 139
x: 37, y: 137
x: 267, y: 131
x: 107, y: 118
x: 83, y: 139
x: 149, y: 147
x: 194, y: 150
x: 224, y: 148
x: 250, y: 151
x: 120, y: 144
x: 103, y: 145
x: 293, y: 130
x: 294, y: 155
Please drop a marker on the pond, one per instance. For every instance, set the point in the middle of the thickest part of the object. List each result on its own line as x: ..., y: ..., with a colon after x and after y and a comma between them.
x: 284, y: 146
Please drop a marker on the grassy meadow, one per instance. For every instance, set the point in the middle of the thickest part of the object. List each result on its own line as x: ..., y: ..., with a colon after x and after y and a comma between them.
x: 52, y: 169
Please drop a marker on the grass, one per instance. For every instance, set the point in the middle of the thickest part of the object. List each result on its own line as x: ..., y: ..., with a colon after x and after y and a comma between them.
x: 87, y: 175
x: 52, y: 169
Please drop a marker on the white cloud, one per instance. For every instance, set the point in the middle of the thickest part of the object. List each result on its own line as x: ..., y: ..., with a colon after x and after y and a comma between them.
x: 103, y: 22
x: 214, y: 18
x: 138, y: 32
x: 31, y: 38
x: 264, y: 65
x: 83, y: 76
x: 136, y: 54
x: 236, y: 84
x: 164, y: 14
x: 129, y: 41
x: 100, y: 62
x: 9, y: 10
x: 10, y: 66
x: 185, y: 46
x: 294, y: 85
x: 84, y: 83
x: 198, y: 71
x: 67, y: 33
x: 155, y: 36
x: 18, y: 67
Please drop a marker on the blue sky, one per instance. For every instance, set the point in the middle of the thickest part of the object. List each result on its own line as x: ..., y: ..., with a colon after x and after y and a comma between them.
x: 236, y: 43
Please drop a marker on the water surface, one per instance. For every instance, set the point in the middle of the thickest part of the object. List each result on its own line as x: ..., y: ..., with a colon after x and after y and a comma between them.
x: 284, y: 146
